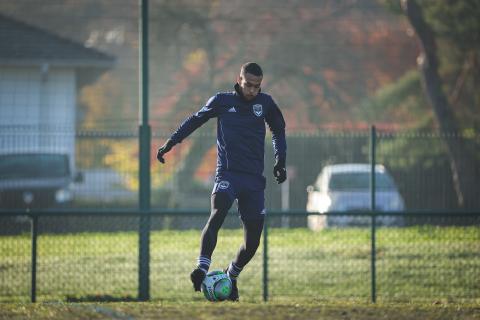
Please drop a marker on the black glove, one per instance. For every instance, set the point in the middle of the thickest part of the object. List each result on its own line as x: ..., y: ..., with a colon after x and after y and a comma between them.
x: 164, y: 149
x: 279, y: 171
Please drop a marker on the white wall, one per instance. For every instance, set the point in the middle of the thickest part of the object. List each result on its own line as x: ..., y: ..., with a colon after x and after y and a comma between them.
x: 19, y: 96
x: 37, y: 109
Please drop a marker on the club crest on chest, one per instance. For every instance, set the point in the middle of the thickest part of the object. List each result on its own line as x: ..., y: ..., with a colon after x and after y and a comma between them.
x: 257, y: 110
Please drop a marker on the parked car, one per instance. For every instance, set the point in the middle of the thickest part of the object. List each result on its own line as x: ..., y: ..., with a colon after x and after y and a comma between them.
x: 346, y: 188
x: 36, y: 180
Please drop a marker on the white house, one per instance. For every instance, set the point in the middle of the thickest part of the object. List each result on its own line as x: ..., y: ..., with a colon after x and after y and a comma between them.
x: 40, y: 76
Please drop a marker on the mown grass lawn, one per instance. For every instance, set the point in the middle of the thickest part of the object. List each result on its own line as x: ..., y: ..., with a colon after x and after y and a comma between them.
x: 424, y: 264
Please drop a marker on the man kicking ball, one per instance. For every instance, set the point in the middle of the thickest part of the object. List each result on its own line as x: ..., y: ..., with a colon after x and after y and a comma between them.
x: 241, y: 117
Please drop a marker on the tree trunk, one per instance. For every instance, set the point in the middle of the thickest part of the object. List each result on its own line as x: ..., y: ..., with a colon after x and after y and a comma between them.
x: 461, y: 160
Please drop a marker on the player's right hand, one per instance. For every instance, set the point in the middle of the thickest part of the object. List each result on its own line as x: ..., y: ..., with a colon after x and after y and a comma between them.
x: 164, y: 149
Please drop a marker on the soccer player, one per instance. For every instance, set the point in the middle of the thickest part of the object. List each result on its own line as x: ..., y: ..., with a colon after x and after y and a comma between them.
x: 241, y: 117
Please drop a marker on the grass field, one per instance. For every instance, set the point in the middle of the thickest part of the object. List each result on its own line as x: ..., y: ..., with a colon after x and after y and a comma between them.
x: 242, y: 310
x: 426, y: 265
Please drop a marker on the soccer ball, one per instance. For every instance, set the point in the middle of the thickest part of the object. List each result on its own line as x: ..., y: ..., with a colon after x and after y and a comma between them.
x: 216, y: 286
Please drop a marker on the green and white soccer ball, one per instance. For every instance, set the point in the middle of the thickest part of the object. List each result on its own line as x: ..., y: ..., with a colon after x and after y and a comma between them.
x: 216, y: 286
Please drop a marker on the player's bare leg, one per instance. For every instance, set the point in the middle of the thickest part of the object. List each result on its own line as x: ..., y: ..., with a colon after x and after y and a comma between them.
x: 220, y: 204
x: 252, y: 232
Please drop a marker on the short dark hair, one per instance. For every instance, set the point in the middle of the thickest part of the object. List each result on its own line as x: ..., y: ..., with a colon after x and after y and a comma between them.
x: 252, y: 68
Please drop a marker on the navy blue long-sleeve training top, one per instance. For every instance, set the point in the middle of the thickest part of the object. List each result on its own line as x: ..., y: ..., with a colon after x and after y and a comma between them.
x: 240, y: 130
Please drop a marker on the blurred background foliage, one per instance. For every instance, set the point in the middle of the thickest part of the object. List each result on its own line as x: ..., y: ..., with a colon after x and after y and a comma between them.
x: 346, y: 52
x: 331, y: 65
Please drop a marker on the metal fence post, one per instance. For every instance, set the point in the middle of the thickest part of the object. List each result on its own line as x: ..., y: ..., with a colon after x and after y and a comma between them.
x: 144, y: 162
x: 373, y: 212
x: 265, y: 260
x: 34, y: 233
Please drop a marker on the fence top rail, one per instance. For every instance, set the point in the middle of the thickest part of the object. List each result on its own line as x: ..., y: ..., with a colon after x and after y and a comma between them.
x: 132, y: 132
x: 206, y: 212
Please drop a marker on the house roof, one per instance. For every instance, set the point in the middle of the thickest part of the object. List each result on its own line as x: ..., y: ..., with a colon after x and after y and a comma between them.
x: 24, y: 44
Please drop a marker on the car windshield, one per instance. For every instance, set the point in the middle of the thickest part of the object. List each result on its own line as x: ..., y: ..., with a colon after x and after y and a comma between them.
x: 33, y: 166
x: 359, y: 181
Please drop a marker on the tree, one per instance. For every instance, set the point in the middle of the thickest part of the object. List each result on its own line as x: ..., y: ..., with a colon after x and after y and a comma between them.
x: 462, y: 160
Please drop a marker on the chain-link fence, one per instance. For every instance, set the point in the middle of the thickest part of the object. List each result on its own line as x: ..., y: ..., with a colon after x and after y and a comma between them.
x: 94, y: 257
x: 70, y: 155
x: 424, y: 249
x: 418, y: 262
x: 433, y: 258
x: 100, y: 169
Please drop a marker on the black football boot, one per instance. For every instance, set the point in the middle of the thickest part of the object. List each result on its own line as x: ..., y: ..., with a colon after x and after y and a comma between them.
x: 234, y: 294
x: 197, y: 277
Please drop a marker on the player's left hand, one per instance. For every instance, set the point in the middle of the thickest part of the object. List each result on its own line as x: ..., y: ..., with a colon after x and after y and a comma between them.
x: 280, y: 172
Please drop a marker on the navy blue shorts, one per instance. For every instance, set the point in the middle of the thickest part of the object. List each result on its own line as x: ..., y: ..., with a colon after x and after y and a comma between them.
x: 247, y: 189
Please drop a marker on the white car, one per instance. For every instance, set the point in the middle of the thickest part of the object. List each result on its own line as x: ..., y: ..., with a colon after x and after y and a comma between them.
x: 346, y: 188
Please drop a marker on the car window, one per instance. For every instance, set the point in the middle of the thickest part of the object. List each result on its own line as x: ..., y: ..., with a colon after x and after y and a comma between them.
x: 359, y: 181
x: 33, y: 166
